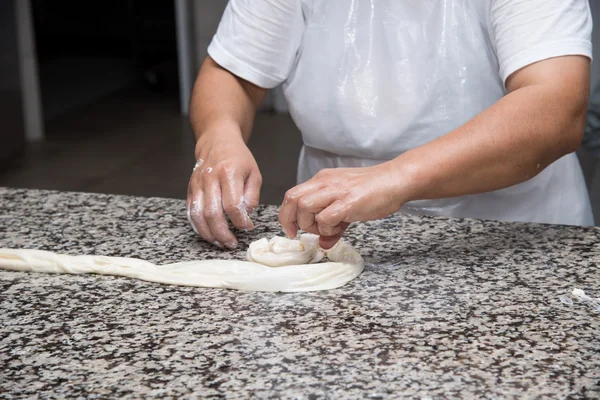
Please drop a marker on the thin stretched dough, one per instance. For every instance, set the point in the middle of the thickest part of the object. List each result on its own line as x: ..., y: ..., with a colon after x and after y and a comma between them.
x: 276, y: 265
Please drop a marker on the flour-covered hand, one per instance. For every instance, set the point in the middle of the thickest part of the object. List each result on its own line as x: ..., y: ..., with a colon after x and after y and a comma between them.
x: 225, y: 182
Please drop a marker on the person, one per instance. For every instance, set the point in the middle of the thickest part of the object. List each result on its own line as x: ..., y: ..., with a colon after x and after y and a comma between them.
x: 462, y: 108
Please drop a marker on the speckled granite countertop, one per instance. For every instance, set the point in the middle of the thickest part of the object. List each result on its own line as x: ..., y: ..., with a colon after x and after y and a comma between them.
x: 445, y: 308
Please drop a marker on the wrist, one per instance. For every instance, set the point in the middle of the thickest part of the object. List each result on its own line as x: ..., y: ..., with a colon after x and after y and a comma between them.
x: 408, y: 184
x: 218, y: 134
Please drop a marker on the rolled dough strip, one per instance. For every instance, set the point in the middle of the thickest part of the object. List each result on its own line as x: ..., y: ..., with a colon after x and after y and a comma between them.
x: 276, y: 265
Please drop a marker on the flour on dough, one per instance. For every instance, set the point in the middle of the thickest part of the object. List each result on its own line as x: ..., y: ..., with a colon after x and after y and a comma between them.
x: 276, y: 265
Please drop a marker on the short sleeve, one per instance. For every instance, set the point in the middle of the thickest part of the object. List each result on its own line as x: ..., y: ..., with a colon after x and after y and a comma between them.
x: 258, y: 40
x: 527, y: 31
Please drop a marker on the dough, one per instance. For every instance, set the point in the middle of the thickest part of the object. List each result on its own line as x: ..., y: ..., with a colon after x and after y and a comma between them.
x: 276, y: 265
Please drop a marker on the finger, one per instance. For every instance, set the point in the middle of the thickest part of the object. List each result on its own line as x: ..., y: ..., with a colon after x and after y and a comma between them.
x: 289, y: 209
x: 327, y: 242
x: 234, y: 202
x: 311, y: 204
x: 290, y: 227
x: 214, y: 215
x: 196, y: 217
x: 195, y: 206
x: 252, y: 193
x: 306, y: 222
x: 339, y: 211
x: 326, y: 230
x: 317, y: 201
x: 252, y: 190
x: 188, y: 206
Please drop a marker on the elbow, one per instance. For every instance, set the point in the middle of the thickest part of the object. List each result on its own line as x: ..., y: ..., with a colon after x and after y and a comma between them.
x: 571, y: 135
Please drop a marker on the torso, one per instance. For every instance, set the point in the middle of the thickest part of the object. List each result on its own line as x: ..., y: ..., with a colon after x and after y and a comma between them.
x: 375, y: 78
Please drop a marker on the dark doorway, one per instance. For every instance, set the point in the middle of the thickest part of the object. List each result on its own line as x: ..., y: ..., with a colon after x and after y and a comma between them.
x: 90, y: 49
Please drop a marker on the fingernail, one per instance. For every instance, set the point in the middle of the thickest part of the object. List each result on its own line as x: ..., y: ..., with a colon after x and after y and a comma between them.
x: 231, y: 245
x: 218, y: 244
x: 247, y: 223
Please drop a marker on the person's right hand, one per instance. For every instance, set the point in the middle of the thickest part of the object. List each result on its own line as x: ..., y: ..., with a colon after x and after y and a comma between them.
x: 225, y: 181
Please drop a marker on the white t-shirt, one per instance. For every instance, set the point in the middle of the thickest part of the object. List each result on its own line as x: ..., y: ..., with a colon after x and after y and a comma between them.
x: 367, y: 80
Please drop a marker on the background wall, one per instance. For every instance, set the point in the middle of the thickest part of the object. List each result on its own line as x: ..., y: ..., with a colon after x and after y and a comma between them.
x: 590, y: 163
x: 207, y: 15
x: 12, y: 132
x: 595, y: 6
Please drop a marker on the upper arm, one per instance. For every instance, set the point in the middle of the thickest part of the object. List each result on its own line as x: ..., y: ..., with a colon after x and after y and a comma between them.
x: 258, y: 40
x: 255, y: 93
x: 559, y: 89
x: 525, y: 32
x: 568, y: 74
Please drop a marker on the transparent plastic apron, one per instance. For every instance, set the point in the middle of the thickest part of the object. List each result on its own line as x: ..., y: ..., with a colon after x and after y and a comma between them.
x: 375, y: 78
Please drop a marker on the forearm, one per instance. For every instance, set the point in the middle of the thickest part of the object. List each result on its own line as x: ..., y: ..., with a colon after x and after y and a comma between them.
x: 507, y: 144
x: 223, y: 104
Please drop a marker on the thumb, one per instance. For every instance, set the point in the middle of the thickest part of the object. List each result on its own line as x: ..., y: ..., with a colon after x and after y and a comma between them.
x: 327, y: 242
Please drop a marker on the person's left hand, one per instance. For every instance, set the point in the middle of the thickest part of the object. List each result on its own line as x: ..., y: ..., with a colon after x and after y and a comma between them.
x: 326, y: 204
